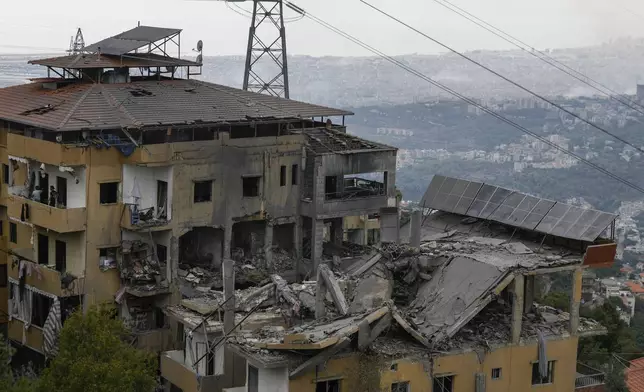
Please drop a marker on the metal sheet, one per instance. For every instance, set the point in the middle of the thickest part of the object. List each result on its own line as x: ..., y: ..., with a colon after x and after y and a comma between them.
x: 130, y: 40
x: 495, y: 201
x: 515, y: 209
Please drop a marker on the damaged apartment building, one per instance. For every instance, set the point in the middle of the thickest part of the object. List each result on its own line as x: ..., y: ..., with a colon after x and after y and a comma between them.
x: 447, y: 306
x: 128, y: 181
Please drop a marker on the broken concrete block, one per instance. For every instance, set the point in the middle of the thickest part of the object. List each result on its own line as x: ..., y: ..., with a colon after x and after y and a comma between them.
x: 182, y: 273
x: 372, y: 292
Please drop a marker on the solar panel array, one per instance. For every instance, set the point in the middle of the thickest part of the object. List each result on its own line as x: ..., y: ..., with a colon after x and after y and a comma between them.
x: 479, y: 200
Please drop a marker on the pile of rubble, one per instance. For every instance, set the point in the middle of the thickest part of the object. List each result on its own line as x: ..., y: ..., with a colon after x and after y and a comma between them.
x: 138, y: 264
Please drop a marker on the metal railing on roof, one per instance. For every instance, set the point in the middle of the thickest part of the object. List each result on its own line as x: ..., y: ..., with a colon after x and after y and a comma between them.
x: 355, y: 188
x: 588, y: 376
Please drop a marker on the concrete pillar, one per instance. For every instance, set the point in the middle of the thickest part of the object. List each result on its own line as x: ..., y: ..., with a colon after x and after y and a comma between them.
x: 268, y: 245
x: 173, y: 263
x: 575, y: 300
x: 297, y: 245
x: 316, y: 243
x: 337, y: 231
x: 228, y: 237
x: 228, y: 275
x: 416, y: 221
x: 320, y: 295
x: 517, y: 308
x: 529, y: 294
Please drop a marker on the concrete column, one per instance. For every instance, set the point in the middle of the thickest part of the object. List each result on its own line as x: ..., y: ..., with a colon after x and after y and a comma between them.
x: 172, y: 264
x: 414, y: 236
x: 529, y: 294
x: 337, y: 231
x: 316, y: 243
x: 517, y: 308
x: 228, y: 237
x: 268, y: 245
x: 297, y: 245
x: 575, y: 300
x: 228, y: 275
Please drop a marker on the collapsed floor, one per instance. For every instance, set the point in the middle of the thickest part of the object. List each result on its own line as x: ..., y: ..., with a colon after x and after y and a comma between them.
x: 450, y: 294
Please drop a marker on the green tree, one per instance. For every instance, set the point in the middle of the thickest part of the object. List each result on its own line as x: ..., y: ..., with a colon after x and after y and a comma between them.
x: 615, y: 381
x: 94, y: 355
x: 9, y: 382
x: 557, y: 299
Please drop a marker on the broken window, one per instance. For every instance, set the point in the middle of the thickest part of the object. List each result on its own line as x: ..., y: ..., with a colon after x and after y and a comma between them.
x: 3, y: 275
x: 162, y: 199
x: 203, y: 191
x: 282, y: 175
x: 40, y: 309
x: 253, y: 379
x: 496, y: 373
x: 13, y: 233
x: 61, y: 256
x: 159, y: 318
x: 109, y: 192
x: 400, y: 387
x: 162, y: 253
x: 328, y: 386
x: 394, y: 367
x: 548, y: 378
x: 443, y: 384
x: 5, y: 173
x: 294, y: 175
x: 250, y: 186
x: 107, y: 258
x: 43, y: 249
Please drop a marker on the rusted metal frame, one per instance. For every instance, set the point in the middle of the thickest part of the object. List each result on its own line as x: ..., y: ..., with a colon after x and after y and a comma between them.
x: 165, y: 40
x: 56, y: 72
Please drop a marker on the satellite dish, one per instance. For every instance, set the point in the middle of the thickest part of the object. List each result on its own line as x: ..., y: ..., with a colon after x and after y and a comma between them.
x: 199, y: 45
x: 199, y: 59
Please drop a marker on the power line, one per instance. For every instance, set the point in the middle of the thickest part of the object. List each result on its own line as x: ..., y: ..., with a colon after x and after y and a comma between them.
x: 503, y: 77
x: 469, y: 100
x: 542, y: 56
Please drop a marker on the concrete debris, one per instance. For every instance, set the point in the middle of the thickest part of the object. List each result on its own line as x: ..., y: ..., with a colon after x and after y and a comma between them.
x: 137, y: 264
x: 372, y: 292
x: 518, y: 248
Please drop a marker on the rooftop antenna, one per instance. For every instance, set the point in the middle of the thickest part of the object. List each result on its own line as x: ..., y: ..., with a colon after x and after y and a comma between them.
x: 77, y: 43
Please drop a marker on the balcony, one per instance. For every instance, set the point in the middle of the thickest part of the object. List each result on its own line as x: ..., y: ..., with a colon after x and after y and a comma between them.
x: 174, y: 370
x: 44, y: 151
x: 589, y: 379
x: 134, y: 220
x: 60, y: 220
x: 47, y: 279
x: 33, y: 336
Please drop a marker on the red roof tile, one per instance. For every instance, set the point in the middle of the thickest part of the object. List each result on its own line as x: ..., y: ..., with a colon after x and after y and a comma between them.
x: 635, y: 375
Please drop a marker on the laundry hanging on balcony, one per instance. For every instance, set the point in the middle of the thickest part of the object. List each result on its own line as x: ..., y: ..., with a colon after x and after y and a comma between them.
x: 51, y: 330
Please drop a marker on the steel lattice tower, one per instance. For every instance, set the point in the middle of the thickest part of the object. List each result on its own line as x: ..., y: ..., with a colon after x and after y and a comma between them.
x: 266, y: 64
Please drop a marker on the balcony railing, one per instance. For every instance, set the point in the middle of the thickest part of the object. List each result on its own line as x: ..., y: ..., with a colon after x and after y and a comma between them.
x: 47, y: 279
x: 134, y: 219
x: 588, y: 377
x: 354, y: 188
x: 60, y: 220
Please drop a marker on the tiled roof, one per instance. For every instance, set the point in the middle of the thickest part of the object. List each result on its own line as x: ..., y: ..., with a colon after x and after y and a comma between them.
x: 635, y: 375
x: 635, y: 287
x: 134, y: 60
x: 85, y: 106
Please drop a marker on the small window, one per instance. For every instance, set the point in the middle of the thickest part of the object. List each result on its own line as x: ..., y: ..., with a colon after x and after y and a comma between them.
x: 3, y: 275
x: 327, y: 386
x: 496, y: 373
x: 394, y: 367
x: 250, y: 186
x: 1, y: 227
x: 5, y: 173
x: 282, y: 175
x: 13, y: 232
x: 294, y: 175
x: 548, y: 378
x: 40, y: 306
x: 159, y: 318
x: 203, y: 191
x: 443, y: 384
x: 109, y: 193
x: 400, y: 387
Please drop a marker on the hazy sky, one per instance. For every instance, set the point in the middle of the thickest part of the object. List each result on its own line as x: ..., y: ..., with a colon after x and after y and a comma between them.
x: 42, y: 26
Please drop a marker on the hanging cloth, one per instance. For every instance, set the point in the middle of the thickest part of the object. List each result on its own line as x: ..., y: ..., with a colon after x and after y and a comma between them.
x: 51, y: 330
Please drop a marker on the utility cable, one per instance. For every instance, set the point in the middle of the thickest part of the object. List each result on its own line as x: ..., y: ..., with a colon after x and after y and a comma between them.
x: 390, y: 16
x: 469, y: 100
x: 611, y: 94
